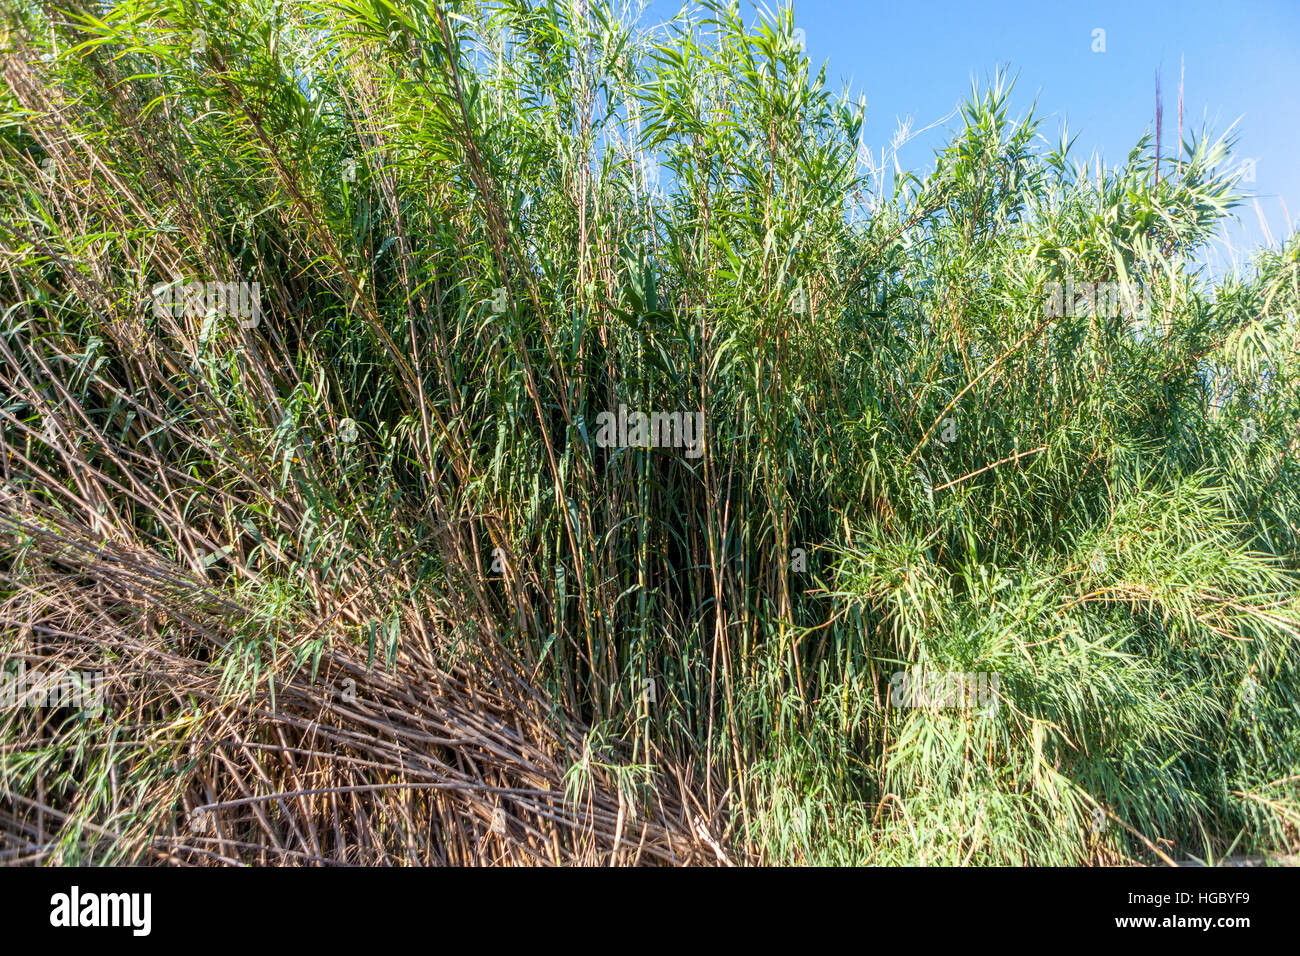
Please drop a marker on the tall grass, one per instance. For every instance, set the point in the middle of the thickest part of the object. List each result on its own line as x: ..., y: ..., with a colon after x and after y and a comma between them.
x: 366, y: 587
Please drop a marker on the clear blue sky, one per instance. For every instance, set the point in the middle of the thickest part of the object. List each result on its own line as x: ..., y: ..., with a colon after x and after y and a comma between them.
x: 917, y: 58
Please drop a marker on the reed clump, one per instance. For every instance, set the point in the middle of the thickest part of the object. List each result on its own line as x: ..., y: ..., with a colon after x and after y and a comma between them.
x: 322, y: 327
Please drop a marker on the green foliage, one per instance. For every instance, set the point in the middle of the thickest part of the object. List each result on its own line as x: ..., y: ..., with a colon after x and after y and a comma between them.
x: 476, y: 228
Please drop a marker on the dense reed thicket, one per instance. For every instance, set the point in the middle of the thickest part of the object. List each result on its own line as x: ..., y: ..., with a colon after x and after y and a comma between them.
x: 370, y: 577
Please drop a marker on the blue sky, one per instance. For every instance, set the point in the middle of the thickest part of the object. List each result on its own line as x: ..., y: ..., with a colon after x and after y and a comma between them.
x: 917, y: 58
